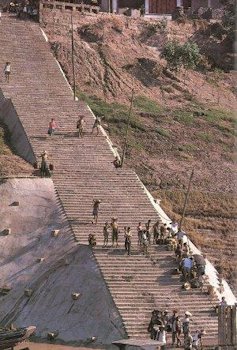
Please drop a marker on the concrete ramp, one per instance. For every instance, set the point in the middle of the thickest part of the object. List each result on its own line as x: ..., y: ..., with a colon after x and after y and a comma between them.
x: 43, y: 267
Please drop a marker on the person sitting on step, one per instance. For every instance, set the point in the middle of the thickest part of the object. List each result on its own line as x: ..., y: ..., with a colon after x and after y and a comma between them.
x: 117, y: 162
x: 92, y: 240
x: 185, y: 249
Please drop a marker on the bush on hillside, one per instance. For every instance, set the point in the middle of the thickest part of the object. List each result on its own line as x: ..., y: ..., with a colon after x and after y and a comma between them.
x: 178, y: 55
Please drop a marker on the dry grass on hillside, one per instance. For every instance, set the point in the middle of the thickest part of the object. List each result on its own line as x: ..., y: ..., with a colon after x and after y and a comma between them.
x: 210, y: 222
x: 11, y: 164
x: 115, y: 53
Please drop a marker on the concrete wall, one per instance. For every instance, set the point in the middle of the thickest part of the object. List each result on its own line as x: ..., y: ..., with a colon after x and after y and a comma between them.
x: 205, y: 3
x: 19, y: 139
x: 104, y: 5
x: 67, y: 268
x: 2, y: 98
x: 215, y: 4
x: 199, y: 3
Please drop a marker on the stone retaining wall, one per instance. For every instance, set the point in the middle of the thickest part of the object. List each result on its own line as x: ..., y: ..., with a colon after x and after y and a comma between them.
x: 19, y: 138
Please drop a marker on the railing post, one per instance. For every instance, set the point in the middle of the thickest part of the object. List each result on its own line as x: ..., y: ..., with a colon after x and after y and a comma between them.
x: 221, y: 326
x: 73, y: 63
x: 233, y: 325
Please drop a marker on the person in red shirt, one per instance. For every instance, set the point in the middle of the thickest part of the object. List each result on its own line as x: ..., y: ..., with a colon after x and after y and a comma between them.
x: 52, y: 127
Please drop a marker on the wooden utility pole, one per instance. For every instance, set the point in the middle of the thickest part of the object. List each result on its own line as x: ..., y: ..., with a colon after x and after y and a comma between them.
x: 127, y: 126
x: 73, y: 63
x: 186, y: 200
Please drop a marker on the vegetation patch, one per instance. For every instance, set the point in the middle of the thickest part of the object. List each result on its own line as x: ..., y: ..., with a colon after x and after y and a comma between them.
x: 214, y: 115
x: 145, y: 105
x: 153, y: 28
x: 163, y: 132
x: 183, y: 116
x: 188, y: 147
x: 178, y: 55
x: 205, y: 136
x: 114, y: 113
x: 4, y: 140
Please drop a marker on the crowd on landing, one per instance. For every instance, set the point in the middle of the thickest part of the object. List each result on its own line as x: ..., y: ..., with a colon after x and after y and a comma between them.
x: 190, y: 266
x: 23, y: 8
x: 162, y: 323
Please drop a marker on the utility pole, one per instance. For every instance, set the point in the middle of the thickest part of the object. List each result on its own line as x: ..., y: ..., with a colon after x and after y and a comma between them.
x: 127, y: 126
x: 186, y: 200
x: 73, y: 63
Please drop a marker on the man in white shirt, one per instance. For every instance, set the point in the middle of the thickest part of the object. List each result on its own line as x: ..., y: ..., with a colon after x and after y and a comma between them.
x: 174, y: 228
x: 7, y: 71
x: 187, y: 264
x: 161, y: 337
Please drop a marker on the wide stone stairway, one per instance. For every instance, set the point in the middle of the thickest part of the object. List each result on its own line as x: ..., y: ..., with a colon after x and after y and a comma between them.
x: 83, y: 171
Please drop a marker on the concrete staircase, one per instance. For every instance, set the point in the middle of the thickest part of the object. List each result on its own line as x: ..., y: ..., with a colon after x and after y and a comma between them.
x: 83, y: 172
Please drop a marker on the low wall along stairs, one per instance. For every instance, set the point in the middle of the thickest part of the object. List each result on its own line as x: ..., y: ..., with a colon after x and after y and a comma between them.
x: 83, y: 172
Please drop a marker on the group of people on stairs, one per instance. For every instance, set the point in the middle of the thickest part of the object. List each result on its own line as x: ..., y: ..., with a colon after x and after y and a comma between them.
x: 162, y: 323
x: 81, y: 123
x: 158, y: 233
x: 53, y: 126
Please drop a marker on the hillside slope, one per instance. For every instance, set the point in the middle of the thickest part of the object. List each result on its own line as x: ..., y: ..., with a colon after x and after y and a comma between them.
x: 115, y: 53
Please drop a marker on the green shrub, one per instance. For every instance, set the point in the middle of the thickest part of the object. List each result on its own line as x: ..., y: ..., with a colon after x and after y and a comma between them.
x: 153, y: 28
x: 178, y: 55
x: 172, y: 54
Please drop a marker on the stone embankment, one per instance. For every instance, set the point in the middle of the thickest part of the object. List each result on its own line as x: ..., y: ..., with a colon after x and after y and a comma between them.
x: 83, y: 171
x: 43, y: 267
